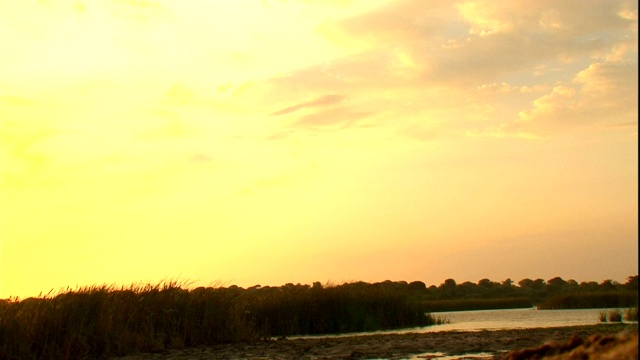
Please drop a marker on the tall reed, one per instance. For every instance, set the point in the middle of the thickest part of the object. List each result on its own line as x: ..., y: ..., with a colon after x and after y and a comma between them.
x: 590, y: 300
x: 631, y: 314
x: 615, y: 316
x: 102, y: 321
x: 602, y: 316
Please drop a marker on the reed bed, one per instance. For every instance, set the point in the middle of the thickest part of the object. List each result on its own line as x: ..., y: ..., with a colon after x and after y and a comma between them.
x: 631, y: 314
x: 476, y: 304
x: 616, y: 315
x: 620, y: 299
x: 104, y: 321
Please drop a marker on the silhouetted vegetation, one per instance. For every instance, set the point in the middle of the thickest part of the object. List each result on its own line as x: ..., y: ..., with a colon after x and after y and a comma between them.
x: 301, y: 309
x: 620, y: 299
x: 615, y: 316
x: 476, y: 304
x: 631, y: 314
x: 103, y: 321
x: 555, y: 293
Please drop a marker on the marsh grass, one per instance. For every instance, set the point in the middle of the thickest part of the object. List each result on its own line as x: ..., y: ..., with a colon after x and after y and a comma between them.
x: 602, y: 316
x: 441, y: 320
x: 105, y: 321
x: 476, y: 304
x: 620, y: 299
x: 631, y: 314
x: 615, y: 316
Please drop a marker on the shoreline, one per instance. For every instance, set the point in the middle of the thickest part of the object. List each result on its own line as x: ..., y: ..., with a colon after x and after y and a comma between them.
x: 392, y: 346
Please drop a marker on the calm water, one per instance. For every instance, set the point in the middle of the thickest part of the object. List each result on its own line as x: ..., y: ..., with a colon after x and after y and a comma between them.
x: 504, y: 319
x: 516, y: 319
x: 507, y: 319
x: 496, y: 320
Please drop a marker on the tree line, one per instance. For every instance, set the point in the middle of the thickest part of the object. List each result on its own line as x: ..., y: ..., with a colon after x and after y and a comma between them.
x: 105, y: 321
x: 554, y: 293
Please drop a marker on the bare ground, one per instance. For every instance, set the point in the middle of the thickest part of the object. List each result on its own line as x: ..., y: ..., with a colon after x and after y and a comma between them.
x: 517, y: 344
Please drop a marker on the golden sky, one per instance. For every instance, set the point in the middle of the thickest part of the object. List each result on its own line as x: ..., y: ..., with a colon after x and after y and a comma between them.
x: 264, y: 142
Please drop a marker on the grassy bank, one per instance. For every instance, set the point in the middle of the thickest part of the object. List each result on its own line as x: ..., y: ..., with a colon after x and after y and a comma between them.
x: 103, y: 321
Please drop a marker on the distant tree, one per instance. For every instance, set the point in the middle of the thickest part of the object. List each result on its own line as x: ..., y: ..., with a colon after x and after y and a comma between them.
x: 448, y: 289
x: 532, y: 289
x: 607, y: 285
x: 448, y: 284
x: 525, y: 283
x: 539, y: 284
x: 418, y: 286
x: 468, y: 286
x: 432, y: 292
x: 556, y: 284
x: 571, y: 286
x: 588, y: 286
x: 468, y: 289
x: 486, y: 288
x: 572, y: 283
x: 506, y: 288
x: 632, y: 283
x: 507, y: 283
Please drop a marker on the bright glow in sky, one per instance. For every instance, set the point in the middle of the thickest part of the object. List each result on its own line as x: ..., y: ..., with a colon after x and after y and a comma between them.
x: 265, y: 142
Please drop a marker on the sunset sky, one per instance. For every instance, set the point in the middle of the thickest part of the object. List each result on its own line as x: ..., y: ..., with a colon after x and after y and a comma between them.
x: 268, y: 142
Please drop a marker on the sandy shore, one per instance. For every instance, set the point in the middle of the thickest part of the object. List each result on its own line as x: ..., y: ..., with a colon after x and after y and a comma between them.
x: 495, y: 343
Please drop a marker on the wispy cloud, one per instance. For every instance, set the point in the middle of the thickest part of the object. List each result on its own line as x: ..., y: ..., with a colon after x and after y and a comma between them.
x: 325, y: 100
x: 416, y: 51
x: 603, y: 94
x: 200, y: 158
x: 341, y: 117
x: 396, y: 111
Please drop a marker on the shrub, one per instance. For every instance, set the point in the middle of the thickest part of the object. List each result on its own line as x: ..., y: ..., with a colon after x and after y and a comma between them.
x: 615, y: 316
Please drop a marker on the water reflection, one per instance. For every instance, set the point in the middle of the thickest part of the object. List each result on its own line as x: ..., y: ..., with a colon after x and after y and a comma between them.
x: 515, y: 319
x: 504, y: 319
